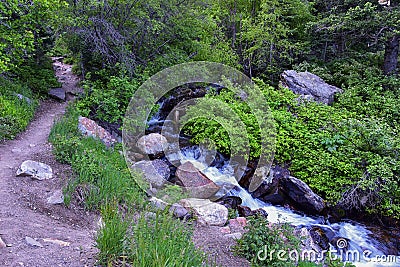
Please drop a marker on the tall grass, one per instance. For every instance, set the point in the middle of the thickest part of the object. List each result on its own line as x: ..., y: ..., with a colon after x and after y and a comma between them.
x: 105, y: 183
x: 163, y: 241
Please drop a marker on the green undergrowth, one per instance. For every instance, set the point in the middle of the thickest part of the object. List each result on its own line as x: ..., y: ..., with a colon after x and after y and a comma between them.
x: 15, y: 113
x: 20, y: 89
x: 267, y: 238
x: 102, y: 174
x: 132, y: 233
x: 38, y: 76
x: 347, y: 153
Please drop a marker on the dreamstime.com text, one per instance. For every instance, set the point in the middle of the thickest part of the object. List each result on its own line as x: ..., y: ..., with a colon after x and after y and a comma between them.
x: 310, y: 255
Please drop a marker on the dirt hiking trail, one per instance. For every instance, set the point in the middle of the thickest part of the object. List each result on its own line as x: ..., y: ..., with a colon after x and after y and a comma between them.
x: 37, y: 233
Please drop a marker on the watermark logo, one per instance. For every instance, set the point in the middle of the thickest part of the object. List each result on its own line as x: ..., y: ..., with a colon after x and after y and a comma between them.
x: 342, y: 243
x: 342, y: 253
x: 204, y: 73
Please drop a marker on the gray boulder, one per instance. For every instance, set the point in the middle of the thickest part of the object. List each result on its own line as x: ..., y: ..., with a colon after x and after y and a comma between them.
x: 178, y: 211
x: 158, y: 203
x: 90, y: 128
x: 309, y: 86
x: 57, y: 93
x: 56, y: 198
x: 37, y: 170
x: 22, y: 97
x: 155, y: 172
x: 271, y: 181
x: 302, y: 195
x: 206, y: 212
x: 153, y: 144
x: 269, y: 191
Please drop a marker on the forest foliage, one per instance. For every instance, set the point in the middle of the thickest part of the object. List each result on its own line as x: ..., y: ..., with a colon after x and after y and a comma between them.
x: 347, y: 152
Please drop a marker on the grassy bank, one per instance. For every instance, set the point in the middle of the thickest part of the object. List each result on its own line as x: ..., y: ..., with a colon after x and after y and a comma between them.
x: 133, y: 232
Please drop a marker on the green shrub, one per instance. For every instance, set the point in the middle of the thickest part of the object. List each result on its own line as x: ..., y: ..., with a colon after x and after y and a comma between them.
x: 15, y: 113
x: 331, y: 148
x: 334, y: 152
x: 266, y: 237
x: 227, y: 121
x: 39, y: 77
x: 373, y: 95
x: 106, y: 98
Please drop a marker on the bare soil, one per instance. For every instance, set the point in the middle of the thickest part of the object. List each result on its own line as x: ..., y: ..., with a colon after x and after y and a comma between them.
x: 217, y: 246
x: 24, y: 211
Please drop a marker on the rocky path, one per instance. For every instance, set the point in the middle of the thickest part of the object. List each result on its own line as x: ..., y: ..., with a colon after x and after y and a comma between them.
x: 64, y: 236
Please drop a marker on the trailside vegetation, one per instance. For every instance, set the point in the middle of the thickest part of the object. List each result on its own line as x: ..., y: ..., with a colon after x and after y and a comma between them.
x: 347, y: 152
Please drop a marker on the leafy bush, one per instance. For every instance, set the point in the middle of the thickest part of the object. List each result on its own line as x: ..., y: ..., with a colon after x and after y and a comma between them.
x: 334, y: 151
x: 106, y: 98
x: 227, y: 121
x: 39, y: 77
x: 15, y: 113
x: 266, y: 237
x: 373, y: 95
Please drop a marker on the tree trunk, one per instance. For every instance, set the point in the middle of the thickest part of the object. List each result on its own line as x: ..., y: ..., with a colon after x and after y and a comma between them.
x: 391, y: 55
x: 233, y: 14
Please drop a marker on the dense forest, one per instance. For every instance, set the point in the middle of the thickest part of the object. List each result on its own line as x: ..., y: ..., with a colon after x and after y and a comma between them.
x: 347, y: 151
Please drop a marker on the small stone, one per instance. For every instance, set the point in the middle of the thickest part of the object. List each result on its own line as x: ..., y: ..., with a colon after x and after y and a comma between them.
x: 158, y: 203
x: 33, y: 242
x: 197, y: 184
x: 242, y: 221
x: 90, y: 128
x: 178, y: 210
x: 207, y: 212
x: 57, y: 242
x: 2, y: 244
x: 150, y: 215
x: 234, y: 236
x: 225, y: 230
x: 56, y: 198
x: 32, y: 145
x: 16, y: 150
x: 155, y: 172
x: 238, y: 224
x: 153, y: 143
x: 22, y: 97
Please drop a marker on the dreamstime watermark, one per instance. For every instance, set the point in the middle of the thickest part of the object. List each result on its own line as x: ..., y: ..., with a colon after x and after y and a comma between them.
x: 342, y: 253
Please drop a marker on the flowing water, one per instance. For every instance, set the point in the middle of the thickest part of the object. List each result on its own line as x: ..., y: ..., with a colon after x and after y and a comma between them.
x: 360, y: 241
